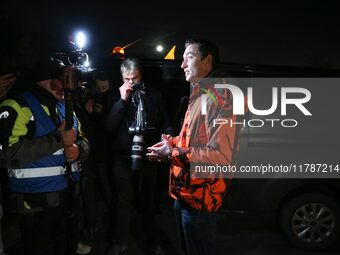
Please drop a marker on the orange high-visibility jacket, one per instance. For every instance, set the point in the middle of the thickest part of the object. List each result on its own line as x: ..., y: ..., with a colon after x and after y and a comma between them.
x: 200, y: 142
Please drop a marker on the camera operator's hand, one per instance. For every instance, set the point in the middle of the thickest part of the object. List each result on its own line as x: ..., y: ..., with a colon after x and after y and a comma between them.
x: 6, y: 81
x: 97, y: 107
x: 161, y: 151
x: 89, y: 105
x: 71, y: 152
x: 68, y: 138
x: 125, y: 91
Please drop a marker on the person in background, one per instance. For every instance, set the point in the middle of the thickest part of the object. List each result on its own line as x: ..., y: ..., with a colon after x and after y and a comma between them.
x: 98, y: 108
x: 92, y: 109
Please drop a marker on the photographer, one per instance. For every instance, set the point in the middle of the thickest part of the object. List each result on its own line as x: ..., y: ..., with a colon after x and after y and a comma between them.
x: 92, y: 111
x: 102, y: 101
x: 139, y: 116
x: 97, y: 108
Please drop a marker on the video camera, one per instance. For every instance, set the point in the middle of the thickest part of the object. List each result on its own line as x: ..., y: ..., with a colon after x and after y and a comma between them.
x: 77, y: 59
x: 74, y: 56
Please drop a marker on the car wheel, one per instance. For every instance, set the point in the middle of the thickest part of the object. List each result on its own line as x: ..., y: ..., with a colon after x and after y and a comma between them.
x: 311, y: 221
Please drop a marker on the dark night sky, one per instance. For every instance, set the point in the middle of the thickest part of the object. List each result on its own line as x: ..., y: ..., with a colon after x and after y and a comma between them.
x: 302, y: 33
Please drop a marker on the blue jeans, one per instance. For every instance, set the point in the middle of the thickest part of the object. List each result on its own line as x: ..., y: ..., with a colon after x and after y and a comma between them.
x: 196, y: 229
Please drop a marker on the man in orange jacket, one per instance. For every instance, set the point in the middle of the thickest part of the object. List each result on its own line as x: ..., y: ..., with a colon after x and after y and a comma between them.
x: 198, y: 199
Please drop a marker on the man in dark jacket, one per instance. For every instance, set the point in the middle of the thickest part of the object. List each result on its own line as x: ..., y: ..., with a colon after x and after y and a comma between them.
x: 139, y: 116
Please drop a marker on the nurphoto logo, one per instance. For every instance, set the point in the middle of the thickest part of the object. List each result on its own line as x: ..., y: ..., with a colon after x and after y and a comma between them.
x: 281, y: 99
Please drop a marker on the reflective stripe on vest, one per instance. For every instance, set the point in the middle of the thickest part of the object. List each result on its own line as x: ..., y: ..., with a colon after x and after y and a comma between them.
x: 40, y: 172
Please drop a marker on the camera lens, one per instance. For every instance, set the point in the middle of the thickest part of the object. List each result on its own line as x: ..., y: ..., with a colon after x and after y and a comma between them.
x: 137, y: 152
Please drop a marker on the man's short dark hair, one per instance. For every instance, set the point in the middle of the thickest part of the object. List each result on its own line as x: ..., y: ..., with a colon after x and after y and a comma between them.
x: 205, y: 48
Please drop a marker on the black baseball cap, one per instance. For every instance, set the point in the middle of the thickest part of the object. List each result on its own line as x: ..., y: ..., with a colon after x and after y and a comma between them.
x: 48, y: 68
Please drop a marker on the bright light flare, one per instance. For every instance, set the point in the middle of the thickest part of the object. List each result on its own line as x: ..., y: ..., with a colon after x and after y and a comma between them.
x: 80, y: 40
x: 159, y: 48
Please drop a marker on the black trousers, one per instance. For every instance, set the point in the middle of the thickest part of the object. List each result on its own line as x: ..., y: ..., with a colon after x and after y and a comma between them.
x: 47, y: 229
x: 131, y: 188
